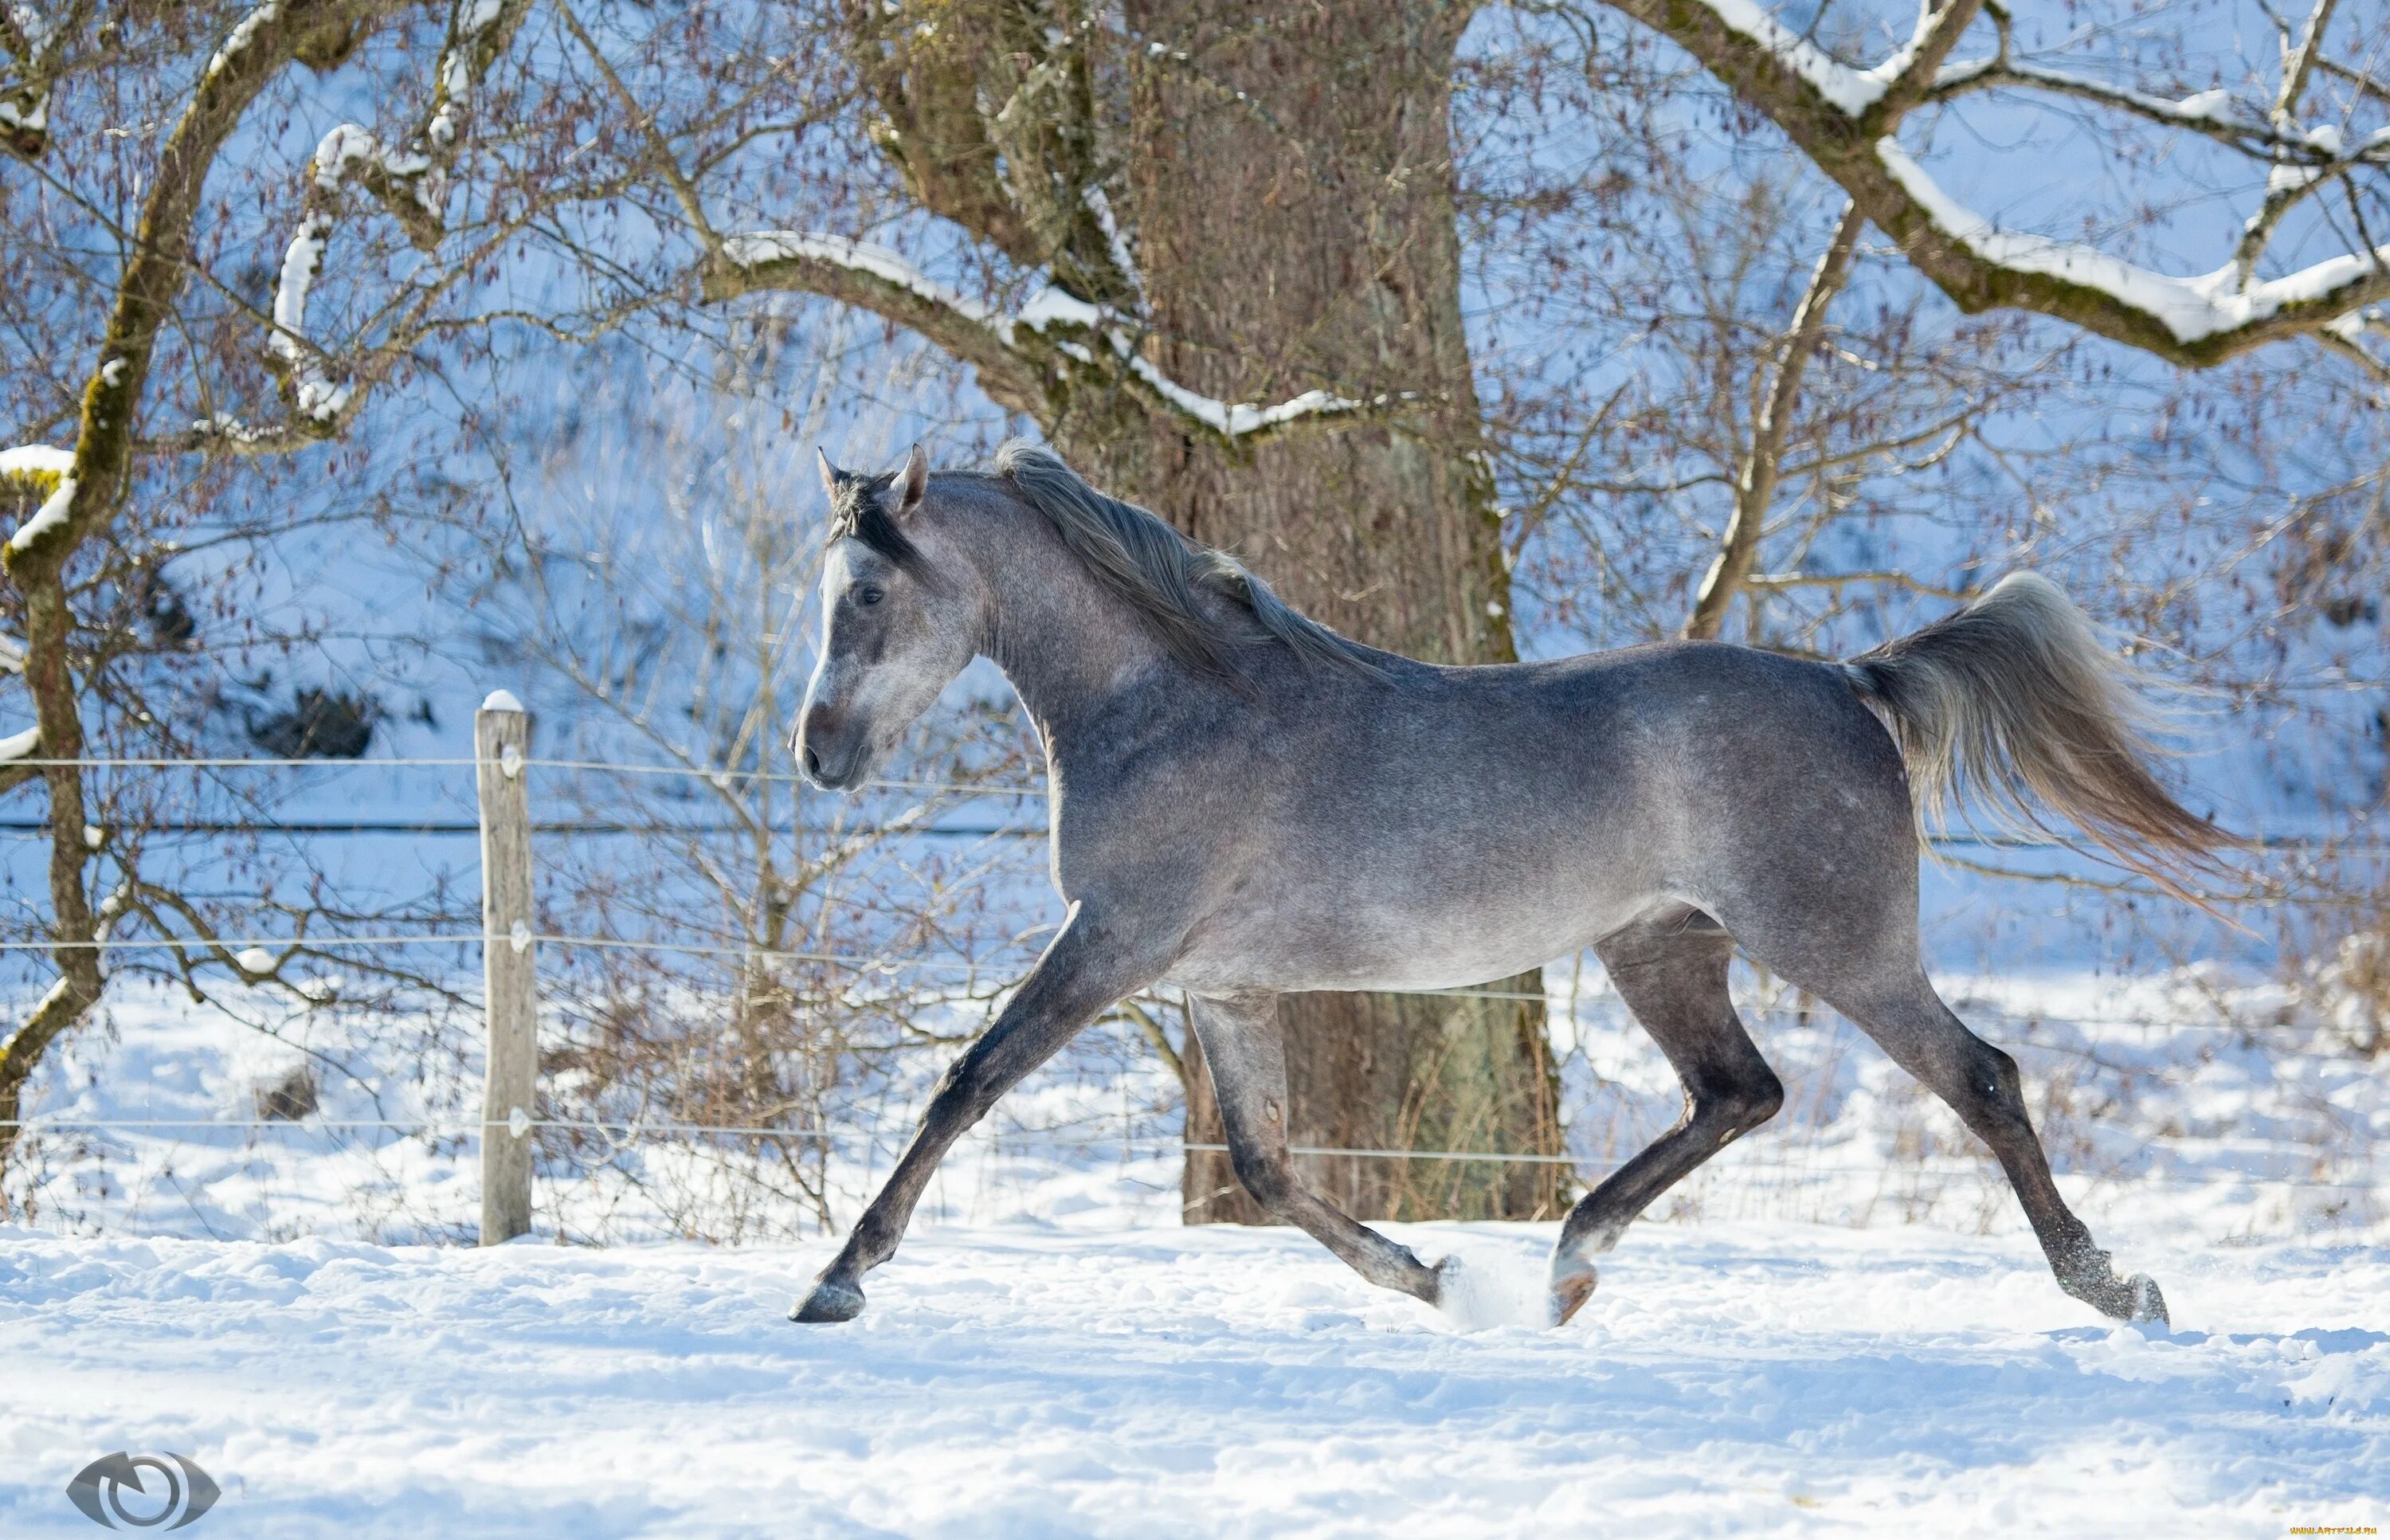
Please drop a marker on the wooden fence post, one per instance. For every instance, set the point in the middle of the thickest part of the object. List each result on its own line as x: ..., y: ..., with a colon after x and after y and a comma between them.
x: 509, y: 987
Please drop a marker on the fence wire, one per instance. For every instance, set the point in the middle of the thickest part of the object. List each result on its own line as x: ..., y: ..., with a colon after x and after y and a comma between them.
x: 626, y: 1134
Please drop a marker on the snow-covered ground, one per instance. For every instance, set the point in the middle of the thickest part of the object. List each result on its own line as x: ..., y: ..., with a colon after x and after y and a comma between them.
x: 1024, y: 1380
x: 1840, y: 1326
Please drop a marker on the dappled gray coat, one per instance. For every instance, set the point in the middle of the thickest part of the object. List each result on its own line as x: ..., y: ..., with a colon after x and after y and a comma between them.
x: 1245, y: 802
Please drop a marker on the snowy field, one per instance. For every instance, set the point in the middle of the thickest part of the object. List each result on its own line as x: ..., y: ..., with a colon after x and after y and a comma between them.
x: 1018, y: 1381
x: 1839, y: 1327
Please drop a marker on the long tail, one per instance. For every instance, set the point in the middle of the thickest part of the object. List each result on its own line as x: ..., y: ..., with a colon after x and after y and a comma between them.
x: 2011, y: 704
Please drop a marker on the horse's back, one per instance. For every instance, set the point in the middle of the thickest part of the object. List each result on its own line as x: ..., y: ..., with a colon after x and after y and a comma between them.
x: 1446, y: 826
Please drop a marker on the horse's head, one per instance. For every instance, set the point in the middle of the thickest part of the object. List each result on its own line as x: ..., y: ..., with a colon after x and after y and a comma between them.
x: 901, y: 617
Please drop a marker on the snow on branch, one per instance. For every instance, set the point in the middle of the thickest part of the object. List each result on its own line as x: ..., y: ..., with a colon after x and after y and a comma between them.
x: 314, y: 395
x: 1852, y: 91
x: 38, y: 44
x: 2303, y: 157
x: 1019, y: 349
x: 237, y: 41
x: 25, y: 118
x: 1242, y: 419
x: 2346, y: 337
x: 2353, y: 327
x: 1116, y: 244
x: 410, y: 184
x: 47, y: 472
x: 877, y: 262
x: 35, y: 462
x: 51, y: 515
x: 474, y: 46
x: 2193, y: 309
x: 2213, y: 113
x: 1845, y: 119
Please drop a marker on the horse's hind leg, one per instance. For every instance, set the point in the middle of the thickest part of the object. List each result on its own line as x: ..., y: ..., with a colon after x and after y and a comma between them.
x: 1247, y: 1056
x: 1980, y: 1084
x: 1671, y: 973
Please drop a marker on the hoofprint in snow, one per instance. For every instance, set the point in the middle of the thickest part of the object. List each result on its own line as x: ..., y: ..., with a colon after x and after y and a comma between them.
x: 1026, y: 1381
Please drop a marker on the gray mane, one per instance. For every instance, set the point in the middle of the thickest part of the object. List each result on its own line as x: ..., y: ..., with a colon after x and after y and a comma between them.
x: 1165, y: 575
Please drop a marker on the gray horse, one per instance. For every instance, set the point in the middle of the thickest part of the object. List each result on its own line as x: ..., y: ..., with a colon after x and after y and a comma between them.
x: 1245, y: 802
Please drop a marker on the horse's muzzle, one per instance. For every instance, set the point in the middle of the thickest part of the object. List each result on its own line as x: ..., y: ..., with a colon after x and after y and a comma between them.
x: 829, y: 756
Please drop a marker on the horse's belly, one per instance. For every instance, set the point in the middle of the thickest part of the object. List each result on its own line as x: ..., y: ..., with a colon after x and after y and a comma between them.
x: 1392, y: 945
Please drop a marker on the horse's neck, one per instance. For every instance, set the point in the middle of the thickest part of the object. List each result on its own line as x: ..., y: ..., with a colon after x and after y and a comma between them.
x: 1071, y: 647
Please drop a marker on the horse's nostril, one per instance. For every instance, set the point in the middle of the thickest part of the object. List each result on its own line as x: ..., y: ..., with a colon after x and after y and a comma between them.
x: 813, y: 761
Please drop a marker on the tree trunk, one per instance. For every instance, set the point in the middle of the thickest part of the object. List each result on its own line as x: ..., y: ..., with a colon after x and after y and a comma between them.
x: 48, y: 628
x: 1305, y: 238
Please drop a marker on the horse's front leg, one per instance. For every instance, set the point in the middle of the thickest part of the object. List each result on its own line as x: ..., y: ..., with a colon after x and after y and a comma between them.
x: 1091, y: 963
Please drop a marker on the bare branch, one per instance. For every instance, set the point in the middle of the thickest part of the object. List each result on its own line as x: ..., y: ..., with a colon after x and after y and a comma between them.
x: 661, y: 157
x: 66, y: 1002
x: 1138, y: 1014
x: 85, y: 499
x: 2299, y: 64
x: 1756, y: 487
x: 2366, y: 84
x: 2291, y: 183
x: 155, y: 271
x: 2289, y: 186
x: 1779, y: 581
x: 251, y: 966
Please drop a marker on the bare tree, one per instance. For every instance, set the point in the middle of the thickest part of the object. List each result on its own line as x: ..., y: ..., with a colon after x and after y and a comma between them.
x: 142, y: 193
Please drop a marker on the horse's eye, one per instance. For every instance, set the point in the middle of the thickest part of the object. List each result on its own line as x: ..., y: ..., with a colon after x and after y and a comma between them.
x: 869, y: 596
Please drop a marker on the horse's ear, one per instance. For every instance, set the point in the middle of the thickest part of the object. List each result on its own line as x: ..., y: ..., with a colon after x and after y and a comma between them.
x: 911, y: 482
x: 829, y: 473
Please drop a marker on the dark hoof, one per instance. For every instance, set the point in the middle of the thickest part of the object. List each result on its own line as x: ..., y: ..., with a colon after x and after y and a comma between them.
x: 2135, y: 1299
x: 2148, y: 1305
x: 828, y: 1301
x: 1569, y: 1295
